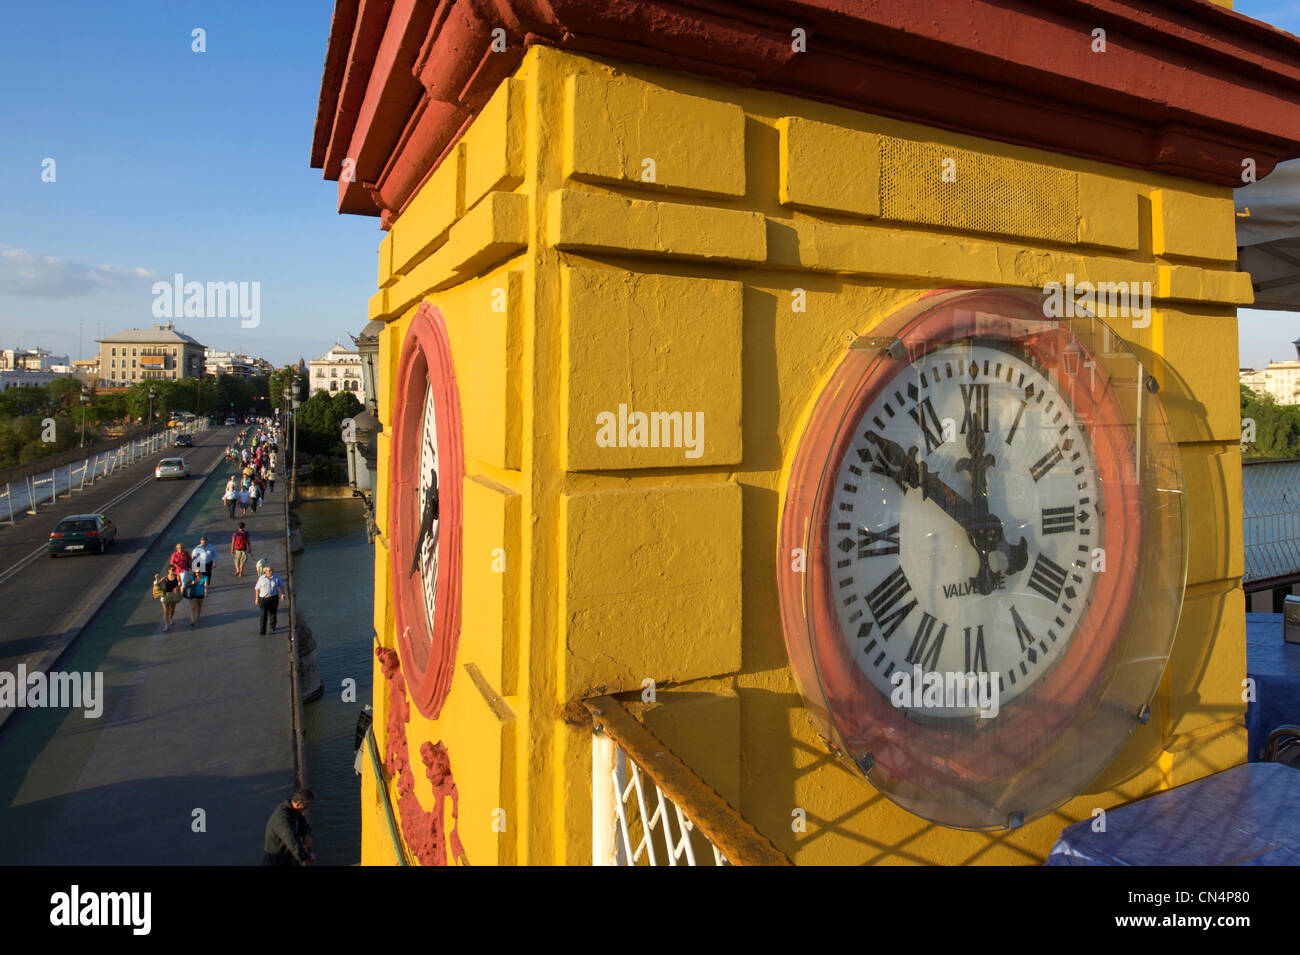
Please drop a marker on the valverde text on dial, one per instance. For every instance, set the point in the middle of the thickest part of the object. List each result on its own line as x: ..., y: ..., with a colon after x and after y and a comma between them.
x: 947, y: 690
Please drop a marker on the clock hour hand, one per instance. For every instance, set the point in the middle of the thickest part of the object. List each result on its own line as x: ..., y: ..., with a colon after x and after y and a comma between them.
x: 985, y: 530
x: 426, y: 523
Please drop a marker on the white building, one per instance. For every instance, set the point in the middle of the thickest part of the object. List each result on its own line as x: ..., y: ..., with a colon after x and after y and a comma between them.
x: 29, y: 359
x: 230, y: 363
x: 1281, y: 379
x: 339, y: 369
x: 16, y: 379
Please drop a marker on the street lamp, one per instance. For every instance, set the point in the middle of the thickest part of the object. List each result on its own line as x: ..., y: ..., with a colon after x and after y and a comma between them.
x: 85, y: 400
x: 151, y: 397
x: 364, y: 448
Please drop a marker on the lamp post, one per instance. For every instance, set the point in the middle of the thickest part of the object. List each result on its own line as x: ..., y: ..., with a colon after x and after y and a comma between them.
x: 85, y: 400
x: 149, y: 424
x: 364, y: 449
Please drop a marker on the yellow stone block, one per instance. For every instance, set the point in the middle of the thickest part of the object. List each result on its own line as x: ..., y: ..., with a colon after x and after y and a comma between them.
x: 677, y: 717
x: 492, y: 562
x: 1197, y: 227
x: 828, y: 167
x: 651, y: 586
x: 1211, y: 751
x: 1108, y: 212
x: 1208, y: 661
x: 589, y: 221
x: 628, y: 131
x: 385, y: 260
x: 1191, y: 284
x: 1212, y: 489
x: 659, y: 351
x: 493, y: 148
x: 1194, y: 359
x: 421, y: 226
x: 493, y: 231
x: 484, y: 324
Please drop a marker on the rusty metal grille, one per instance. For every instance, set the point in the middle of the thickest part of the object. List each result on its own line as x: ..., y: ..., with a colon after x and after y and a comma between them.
x: 989, y: 194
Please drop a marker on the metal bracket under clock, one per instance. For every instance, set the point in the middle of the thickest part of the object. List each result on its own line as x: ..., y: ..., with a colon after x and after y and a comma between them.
x: 888, y: 345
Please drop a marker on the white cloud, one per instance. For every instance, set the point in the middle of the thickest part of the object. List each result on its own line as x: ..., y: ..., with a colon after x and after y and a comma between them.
x: 45, y: 276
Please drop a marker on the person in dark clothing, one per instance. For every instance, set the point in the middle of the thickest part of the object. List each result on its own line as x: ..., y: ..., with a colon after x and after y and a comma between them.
x: 288, y: 833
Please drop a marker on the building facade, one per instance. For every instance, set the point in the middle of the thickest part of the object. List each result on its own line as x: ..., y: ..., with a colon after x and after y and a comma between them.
x: 31, y: 359
x: 157, y: 353
x: 339, y: 369
x: 705, y: 214
x: 234, y: 364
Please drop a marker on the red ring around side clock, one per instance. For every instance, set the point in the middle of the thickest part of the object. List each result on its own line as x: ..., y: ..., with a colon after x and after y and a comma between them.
x: 863, y: 717
x: 426, y: 362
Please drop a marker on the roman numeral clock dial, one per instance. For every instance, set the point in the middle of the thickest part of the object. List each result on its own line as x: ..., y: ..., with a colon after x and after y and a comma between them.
x: 978, y: 510
x: 426, y: 473
x: 991, y: 525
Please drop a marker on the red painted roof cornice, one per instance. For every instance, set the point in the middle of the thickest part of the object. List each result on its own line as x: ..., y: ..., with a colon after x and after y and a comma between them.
x: 1184, y: 87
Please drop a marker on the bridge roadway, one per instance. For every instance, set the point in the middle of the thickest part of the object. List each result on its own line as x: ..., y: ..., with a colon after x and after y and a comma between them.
x: 194, y: 746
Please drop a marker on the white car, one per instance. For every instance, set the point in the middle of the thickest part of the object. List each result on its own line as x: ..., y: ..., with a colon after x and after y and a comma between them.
x: 171, y: 468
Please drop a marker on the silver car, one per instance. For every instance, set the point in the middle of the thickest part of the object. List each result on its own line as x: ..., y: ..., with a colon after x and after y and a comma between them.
x: 171, y: 468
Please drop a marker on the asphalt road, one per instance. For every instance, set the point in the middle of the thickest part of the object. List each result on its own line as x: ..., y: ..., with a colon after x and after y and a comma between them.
x: 192, y: 742
x: 42, y: 599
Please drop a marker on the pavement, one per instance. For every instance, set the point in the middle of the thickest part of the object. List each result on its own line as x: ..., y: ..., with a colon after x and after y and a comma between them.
x: 194, y: 746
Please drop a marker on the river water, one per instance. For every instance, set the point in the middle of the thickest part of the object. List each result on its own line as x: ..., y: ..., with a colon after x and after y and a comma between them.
x: 334, y: 578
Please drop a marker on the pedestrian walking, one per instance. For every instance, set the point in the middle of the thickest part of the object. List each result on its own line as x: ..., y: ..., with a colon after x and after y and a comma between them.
x: 266, y: 597
x: 239, y: 548
x: 288, y: 833
x: 243, y: 502
x: 180, y: 559
x: 270, y: 477
x: 203, y: 558
x: 168, y: 588
x: 231, y: 497
x: 195, y: 589
x: 254, y: 495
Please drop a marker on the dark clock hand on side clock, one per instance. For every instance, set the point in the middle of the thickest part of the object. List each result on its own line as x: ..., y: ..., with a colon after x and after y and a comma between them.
x: 426, y: 523
x: 984, y: 530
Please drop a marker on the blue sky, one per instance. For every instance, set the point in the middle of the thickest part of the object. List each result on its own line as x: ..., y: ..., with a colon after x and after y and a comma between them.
x: 170, y: 161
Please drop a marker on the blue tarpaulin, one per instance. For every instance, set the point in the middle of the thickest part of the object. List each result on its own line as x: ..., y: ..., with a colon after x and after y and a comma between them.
x: 1247, y: 815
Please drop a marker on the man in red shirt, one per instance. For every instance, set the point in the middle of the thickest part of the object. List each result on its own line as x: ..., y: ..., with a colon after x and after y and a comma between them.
x: 239, y: 548
x: 180, y: 559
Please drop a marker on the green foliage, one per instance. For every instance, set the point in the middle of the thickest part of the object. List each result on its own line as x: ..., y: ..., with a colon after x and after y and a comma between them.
x: 1276, y: 427
x: 325, y: 471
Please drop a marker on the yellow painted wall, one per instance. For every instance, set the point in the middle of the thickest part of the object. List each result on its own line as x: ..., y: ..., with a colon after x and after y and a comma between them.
x: 573, y: 280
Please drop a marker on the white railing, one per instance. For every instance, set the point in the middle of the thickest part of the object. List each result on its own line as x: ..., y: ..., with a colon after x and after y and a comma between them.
x: 46, y: 488
x: 640, y: 837
x: 650, y: 808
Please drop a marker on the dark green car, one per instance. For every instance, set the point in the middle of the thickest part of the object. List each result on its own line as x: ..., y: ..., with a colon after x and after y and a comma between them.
x: 80, y: 533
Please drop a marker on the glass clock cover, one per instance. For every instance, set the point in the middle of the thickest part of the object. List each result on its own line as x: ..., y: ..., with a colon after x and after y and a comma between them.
x: 982, y: 555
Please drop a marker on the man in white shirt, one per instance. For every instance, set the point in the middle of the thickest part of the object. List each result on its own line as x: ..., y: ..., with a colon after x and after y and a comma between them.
x: 266, y: 596
x: 203, y: 559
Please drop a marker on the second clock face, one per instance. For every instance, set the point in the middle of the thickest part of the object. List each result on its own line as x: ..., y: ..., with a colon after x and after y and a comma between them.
x: 962, y: 522
x: 427, y: 506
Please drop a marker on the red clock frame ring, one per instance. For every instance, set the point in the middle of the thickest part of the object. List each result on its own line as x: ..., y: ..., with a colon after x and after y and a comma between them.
x: 425, y: 363
x: 856, y: 715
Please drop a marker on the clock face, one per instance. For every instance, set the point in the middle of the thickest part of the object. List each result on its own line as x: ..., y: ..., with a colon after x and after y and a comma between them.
x: 964, y: 518
x: 427, y: 514
x: 426, y: 466
x: 981, y: 555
